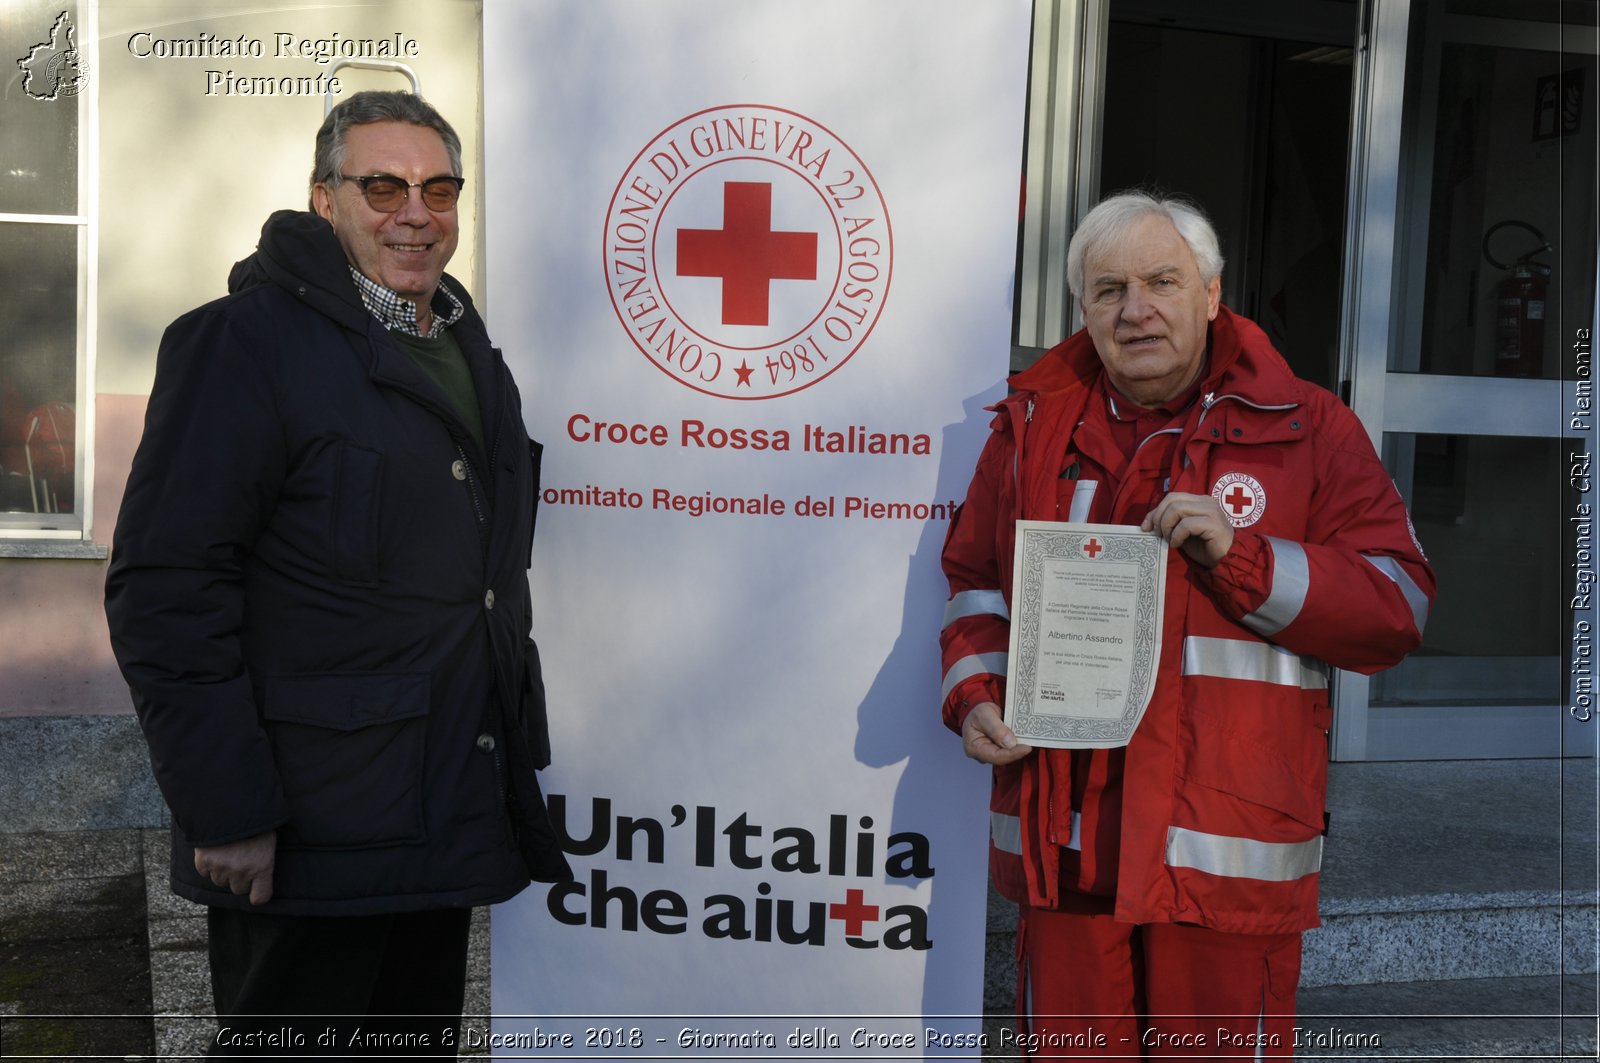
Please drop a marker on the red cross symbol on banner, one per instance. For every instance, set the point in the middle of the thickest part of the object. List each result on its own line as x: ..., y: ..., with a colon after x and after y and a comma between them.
x: 746, y: 253
x: 1239, y: 499
x: 854, y: 912
x: 1093, y: 548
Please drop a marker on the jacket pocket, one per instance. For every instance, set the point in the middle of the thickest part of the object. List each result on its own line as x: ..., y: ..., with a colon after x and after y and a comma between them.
x: 354, y: 525
x: 1263, y: 775
x: 348, y: 750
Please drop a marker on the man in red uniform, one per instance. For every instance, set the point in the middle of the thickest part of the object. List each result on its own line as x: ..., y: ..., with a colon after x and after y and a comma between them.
x: 1164, y: 885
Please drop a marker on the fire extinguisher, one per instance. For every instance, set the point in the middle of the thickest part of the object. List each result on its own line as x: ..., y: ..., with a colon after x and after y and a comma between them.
x: 1519, y: 301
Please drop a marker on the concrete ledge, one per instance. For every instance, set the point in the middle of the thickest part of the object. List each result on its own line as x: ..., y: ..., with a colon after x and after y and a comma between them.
x: 1445, y: 937
x: 55, y: 549
x: 70, y: 773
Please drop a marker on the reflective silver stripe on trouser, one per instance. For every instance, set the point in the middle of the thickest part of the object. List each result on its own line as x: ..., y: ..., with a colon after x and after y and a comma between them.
x: 1082, y: 499
x: 1408, y: 587
x: 976, y: 664
x: 1218, y: 854
x: 1258, y: 661
x: 1291, y: 579
x: 1006, y: 832
x: 975, y: 603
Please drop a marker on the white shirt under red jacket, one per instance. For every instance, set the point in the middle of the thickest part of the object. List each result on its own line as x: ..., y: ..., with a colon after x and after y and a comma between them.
x: 1214, y: 813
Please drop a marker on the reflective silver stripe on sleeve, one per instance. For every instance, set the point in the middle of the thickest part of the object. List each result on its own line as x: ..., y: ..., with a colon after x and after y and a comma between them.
x: 1408, y: 587
x: 976, y: 664
x: 1006, y: 832
x: 1257, y: 661
x: 1082, y: 500
x: 1291, y: 579
x: 976, y: 603
x: 1219, y: 854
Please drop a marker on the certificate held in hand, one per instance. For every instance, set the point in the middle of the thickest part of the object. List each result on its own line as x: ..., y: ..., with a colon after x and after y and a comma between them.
x: 1086, y: 608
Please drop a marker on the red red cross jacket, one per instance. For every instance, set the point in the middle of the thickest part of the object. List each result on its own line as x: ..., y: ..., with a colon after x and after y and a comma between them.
x: 1225, y: 779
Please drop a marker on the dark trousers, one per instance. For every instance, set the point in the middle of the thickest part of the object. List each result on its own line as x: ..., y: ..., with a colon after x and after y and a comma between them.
x: 342, y: 986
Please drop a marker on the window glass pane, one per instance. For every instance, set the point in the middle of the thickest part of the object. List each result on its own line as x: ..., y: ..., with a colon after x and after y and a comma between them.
x: 1490, y: 518
x: 1500, y: 212
x: 38, y: 367
x: 39, y: 108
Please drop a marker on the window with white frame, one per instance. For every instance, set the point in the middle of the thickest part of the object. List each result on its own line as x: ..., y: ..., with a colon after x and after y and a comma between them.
x: 46, y: 262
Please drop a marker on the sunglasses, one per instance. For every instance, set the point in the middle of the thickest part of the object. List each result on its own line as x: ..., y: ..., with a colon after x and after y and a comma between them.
x: 385, y: 192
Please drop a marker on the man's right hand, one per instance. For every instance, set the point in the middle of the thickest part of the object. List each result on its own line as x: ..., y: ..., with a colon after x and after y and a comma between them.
x: 242, y: 866
x: 986, y: 738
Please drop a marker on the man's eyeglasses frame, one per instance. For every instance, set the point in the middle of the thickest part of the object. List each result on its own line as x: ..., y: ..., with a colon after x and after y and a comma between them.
x: 439, y: 194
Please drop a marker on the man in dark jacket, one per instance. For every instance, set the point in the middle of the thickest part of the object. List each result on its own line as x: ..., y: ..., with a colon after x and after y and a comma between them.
x: 318, y: 595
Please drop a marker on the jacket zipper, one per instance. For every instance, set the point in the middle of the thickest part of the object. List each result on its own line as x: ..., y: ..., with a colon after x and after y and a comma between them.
x: 1211, y: 398
x: 472, y: 488
x: 500, y: 775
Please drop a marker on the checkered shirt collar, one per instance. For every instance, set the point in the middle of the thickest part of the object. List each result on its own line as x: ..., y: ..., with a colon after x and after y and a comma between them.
x: 396, y: 313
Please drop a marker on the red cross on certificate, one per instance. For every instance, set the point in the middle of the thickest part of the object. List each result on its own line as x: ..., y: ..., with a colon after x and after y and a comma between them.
x: 1239, y: 499
x: 746, y: 253
x: 1093, y: 548
x: 854, y: 912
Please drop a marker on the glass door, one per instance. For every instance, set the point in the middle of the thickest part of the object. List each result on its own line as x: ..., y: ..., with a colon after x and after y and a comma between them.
x: 1470, y: 302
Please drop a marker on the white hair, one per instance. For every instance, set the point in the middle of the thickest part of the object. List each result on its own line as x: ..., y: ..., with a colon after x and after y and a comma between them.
x: 1113, y: 216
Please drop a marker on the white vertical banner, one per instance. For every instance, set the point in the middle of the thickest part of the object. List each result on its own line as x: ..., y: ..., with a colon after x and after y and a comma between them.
x: 751, y: 262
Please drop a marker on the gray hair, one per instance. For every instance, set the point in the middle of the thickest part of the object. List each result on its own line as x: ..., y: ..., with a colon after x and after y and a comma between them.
x: 1111, y: 217
x: 373, y: 106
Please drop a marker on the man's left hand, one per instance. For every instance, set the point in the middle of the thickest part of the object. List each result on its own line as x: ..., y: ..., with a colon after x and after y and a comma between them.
x: 1193, y: 523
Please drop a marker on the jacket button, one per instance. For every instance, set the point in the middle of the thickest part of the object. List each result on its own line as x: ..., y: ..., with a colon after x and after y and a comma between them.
x: 1295, y: 425
x: 1237, y: 432
x: 488, y: 599
x: 458, y: 469
x: 486, y: 743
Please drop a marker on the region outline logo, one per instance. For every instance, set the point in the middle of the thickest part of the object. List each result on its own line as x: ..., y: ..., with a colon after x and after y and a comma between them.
x: 747, y: 251
x: 46, y: 67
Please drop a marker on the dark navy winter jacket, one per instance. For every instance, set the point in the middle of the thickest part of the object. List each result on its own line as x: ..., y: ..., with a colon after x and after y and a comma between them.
x: 318, y: 595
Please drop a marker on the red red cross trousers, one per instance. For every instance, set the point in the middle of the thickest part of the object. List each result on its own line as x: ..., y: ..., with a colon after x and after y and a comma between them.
x: 1239, y: 499
x: 854, y: 912
x: 746, y: 253
x: 1093, y: 548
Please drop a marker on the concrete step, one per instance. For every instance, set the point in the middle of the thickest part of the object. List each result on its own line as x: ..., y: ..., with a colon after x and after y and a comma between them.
x: 1445, y: 937
x: 1478, y: 1018
x: 1448, y: 870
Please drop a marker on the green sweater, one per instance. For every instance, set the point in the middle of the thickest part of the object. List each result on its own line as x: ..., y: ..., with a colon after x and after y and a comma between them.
x: 441, y: 358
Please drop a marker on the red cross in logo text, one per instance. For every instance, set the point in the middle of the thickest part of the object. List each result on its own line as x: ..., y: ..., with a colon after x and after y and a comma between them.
x: 1093, y: 548
x: 1239, y: 499
x: 853, y: 912
x: 746, y: 253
